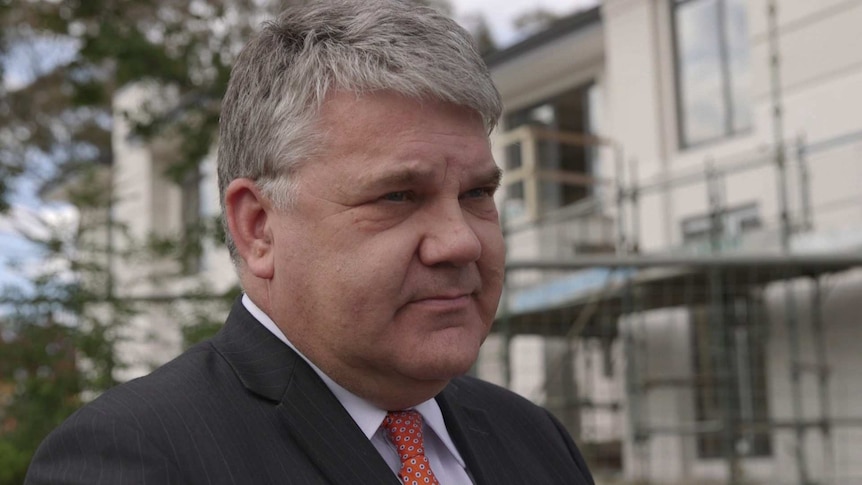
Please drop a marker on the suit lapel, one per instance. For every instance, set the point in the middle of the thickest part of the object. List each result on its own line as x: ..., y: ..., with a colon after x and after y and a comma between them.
x: 314, y: 418
x: 486, y: 455
x: 328, y: 434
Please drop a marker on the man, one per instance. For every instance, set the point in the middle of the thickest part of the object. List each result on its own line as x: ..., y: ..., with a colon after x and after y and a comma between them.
x: 358, y: 190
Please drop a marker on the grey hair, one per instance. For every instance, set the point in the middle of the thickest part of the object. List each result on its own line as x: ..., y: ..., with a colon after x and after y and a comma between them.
x: 283, y: 75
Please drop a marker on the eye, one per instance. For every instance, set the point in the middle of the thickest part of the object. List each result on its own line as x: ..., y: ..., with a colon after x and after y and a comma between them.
x: 479, y: 192
x: 400, y: 196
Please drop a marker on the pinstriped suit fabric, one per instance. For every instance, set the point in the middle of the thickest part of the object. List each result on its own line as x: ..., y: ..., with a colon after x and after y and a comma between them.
x: 245, y: 409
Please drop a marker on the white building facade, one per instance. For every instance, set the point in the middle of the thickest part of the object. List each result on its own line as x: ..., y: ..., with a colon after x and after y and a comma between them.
x: 684, y: 131
x: 168, y: 292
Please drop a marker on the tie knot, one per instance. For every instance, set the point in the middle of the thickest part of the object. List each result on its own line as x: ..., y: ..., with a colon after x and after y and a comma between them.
x: 404, y: 429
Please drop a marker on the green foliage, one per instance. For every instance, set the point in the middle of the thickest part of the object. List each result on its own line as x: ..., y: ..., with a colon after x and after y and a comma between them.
x: 13, y: 461
x: 478, y: 27
x: 203, y: 325
x: 7, y: 174
x: 199, y: 331
x: 40, y: 388
x: 114, y: 43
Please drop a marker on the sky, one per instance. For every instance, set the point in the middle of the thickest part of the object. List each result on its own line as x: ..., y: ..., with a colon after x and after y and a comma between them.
x: 500, y: 14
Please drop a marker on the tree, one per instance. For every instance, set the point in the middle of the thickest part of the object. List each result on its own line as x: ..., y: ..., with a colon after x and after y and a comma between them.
x: 58, y: 336
x: 41, y: 386
x: 534, y: 21
x: 478, y: 27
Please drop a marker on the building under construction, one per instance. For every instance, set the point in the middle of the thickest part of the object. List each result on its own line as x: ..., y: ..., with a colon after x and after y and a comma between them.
x: 683, y: 215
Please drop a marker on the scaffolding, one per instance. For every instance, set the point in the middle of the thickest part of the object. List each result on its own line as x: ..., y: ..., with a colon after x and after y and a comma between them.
x: 732, y: 326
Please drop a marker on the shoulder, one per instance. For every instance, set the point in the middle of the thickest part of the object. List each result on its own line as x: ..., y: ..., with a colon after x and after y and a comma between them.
x: 198, y: 372
x: 198, y: 380
x: 474, y: 392
x: 167, y: 394
x: 526, y: 427
x: 133, y: 427
x: 514, y: 412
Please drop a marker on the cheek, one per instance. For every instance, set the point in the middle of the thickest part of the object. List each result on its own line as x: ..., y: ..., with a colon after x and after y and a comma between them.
x: 369, y: 271
x: 493, y: 245
x: 492, y: 264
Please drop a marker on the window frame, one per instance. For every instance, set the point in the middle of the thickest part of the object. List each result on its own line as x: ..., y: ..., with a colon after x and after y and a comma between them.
x: 726, y: 79
x: 532, y: 177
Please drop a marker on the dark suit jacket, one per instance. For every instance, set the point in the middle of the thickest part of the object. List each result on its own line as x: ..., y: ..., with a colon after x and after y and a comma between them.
x: 243, y: 408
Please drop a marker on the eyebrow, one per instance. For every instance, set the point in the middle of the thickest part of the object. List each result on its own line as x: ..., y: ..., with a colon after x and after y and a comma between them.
x: 493, y: 176
x: 400, y: 177
x: 409, y: 176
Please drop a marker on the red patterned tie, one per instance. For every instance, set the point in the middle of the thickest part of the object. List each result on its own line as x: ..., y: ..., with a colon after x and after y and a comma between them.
x: 404, y: 429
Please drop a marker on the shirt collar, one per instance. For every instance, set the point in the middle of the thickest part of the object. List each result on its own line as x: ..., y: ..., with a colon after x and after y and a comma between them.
x: 433, y: 417
x: 366, y: 415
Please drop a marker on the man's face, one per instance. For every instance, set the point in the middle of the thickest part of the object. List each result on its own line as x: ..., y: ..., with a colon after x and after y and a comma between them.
x: 389, y: 267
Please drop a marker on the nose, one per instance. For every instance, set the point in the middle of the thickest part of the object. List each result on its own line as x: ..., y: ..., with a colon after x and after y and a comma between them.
x: 449, y: 239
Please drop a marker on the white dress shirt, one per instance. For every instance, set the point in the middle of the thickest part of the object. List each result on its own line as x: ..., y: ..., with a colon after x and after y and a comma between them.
x: 446, y: 462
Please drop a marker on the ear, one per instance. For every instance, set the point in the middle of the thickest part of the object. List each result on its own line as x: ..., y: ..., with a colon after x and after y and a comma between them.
x: 247, y: 213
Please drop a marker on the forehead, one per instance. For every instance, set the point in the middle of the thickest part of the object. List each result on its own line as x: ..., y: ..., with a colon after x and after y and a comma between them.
x: 384, y: 110
x: 378, y: 130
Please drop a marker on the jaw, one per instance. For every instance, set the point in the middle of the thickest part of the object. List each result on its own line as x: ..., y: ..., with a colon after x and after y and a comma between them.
x: 410, y: 377
x: 407, y: 397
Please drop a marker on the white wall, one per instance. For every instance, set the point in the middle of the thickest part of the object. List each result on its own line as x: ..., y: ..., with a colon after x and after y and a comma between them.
x: 140, y: 208
x: 148, y: 203
x: 842, y: 333
x: 821, y: 74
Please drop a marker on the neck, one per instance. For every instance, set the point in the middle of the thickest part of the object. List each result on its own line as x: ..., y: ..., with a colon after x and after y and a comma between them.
x: 390, y: 392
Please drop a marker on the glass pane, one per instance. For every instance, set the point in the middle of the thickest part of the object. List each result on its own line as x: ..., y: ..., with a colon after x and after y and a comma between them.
x: 550, y: 194
x: 702, y: 109
x: 555, y: 195
x: 595, y: 125
x: 515, y: 191
x: 514, y: 205
x: 513, y: 156
x: 542, y: 115
x: 736, y: 26
x: 548, y: 154
x: 567, y: 113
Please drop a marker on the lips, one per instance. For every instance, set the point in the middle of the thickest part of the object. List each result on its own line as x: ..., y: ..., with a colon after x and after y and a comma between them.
x: 449, y: 294
x: 446, y: 296
x: 447, y: 302
x: 463, y: 288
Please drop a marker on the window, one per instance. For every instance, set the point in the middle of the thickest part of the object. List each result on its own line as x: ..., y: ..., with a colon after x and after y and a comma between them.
x: 547, y: 165
x: 712, y: 69
x: 726, y: 228
x: 728, y: 342
x: 191, y: 223
x: 177, y: 206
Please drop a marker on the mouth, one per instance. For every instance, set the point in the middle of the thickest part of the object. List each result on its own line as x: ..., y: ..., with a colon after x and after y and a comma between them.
x: 445, y: 301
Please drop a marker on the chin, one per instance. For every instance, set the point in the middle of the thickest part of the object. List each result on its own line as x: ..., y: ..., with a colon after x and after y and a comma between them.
x: 441, y: 355
x: 443, y: 367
